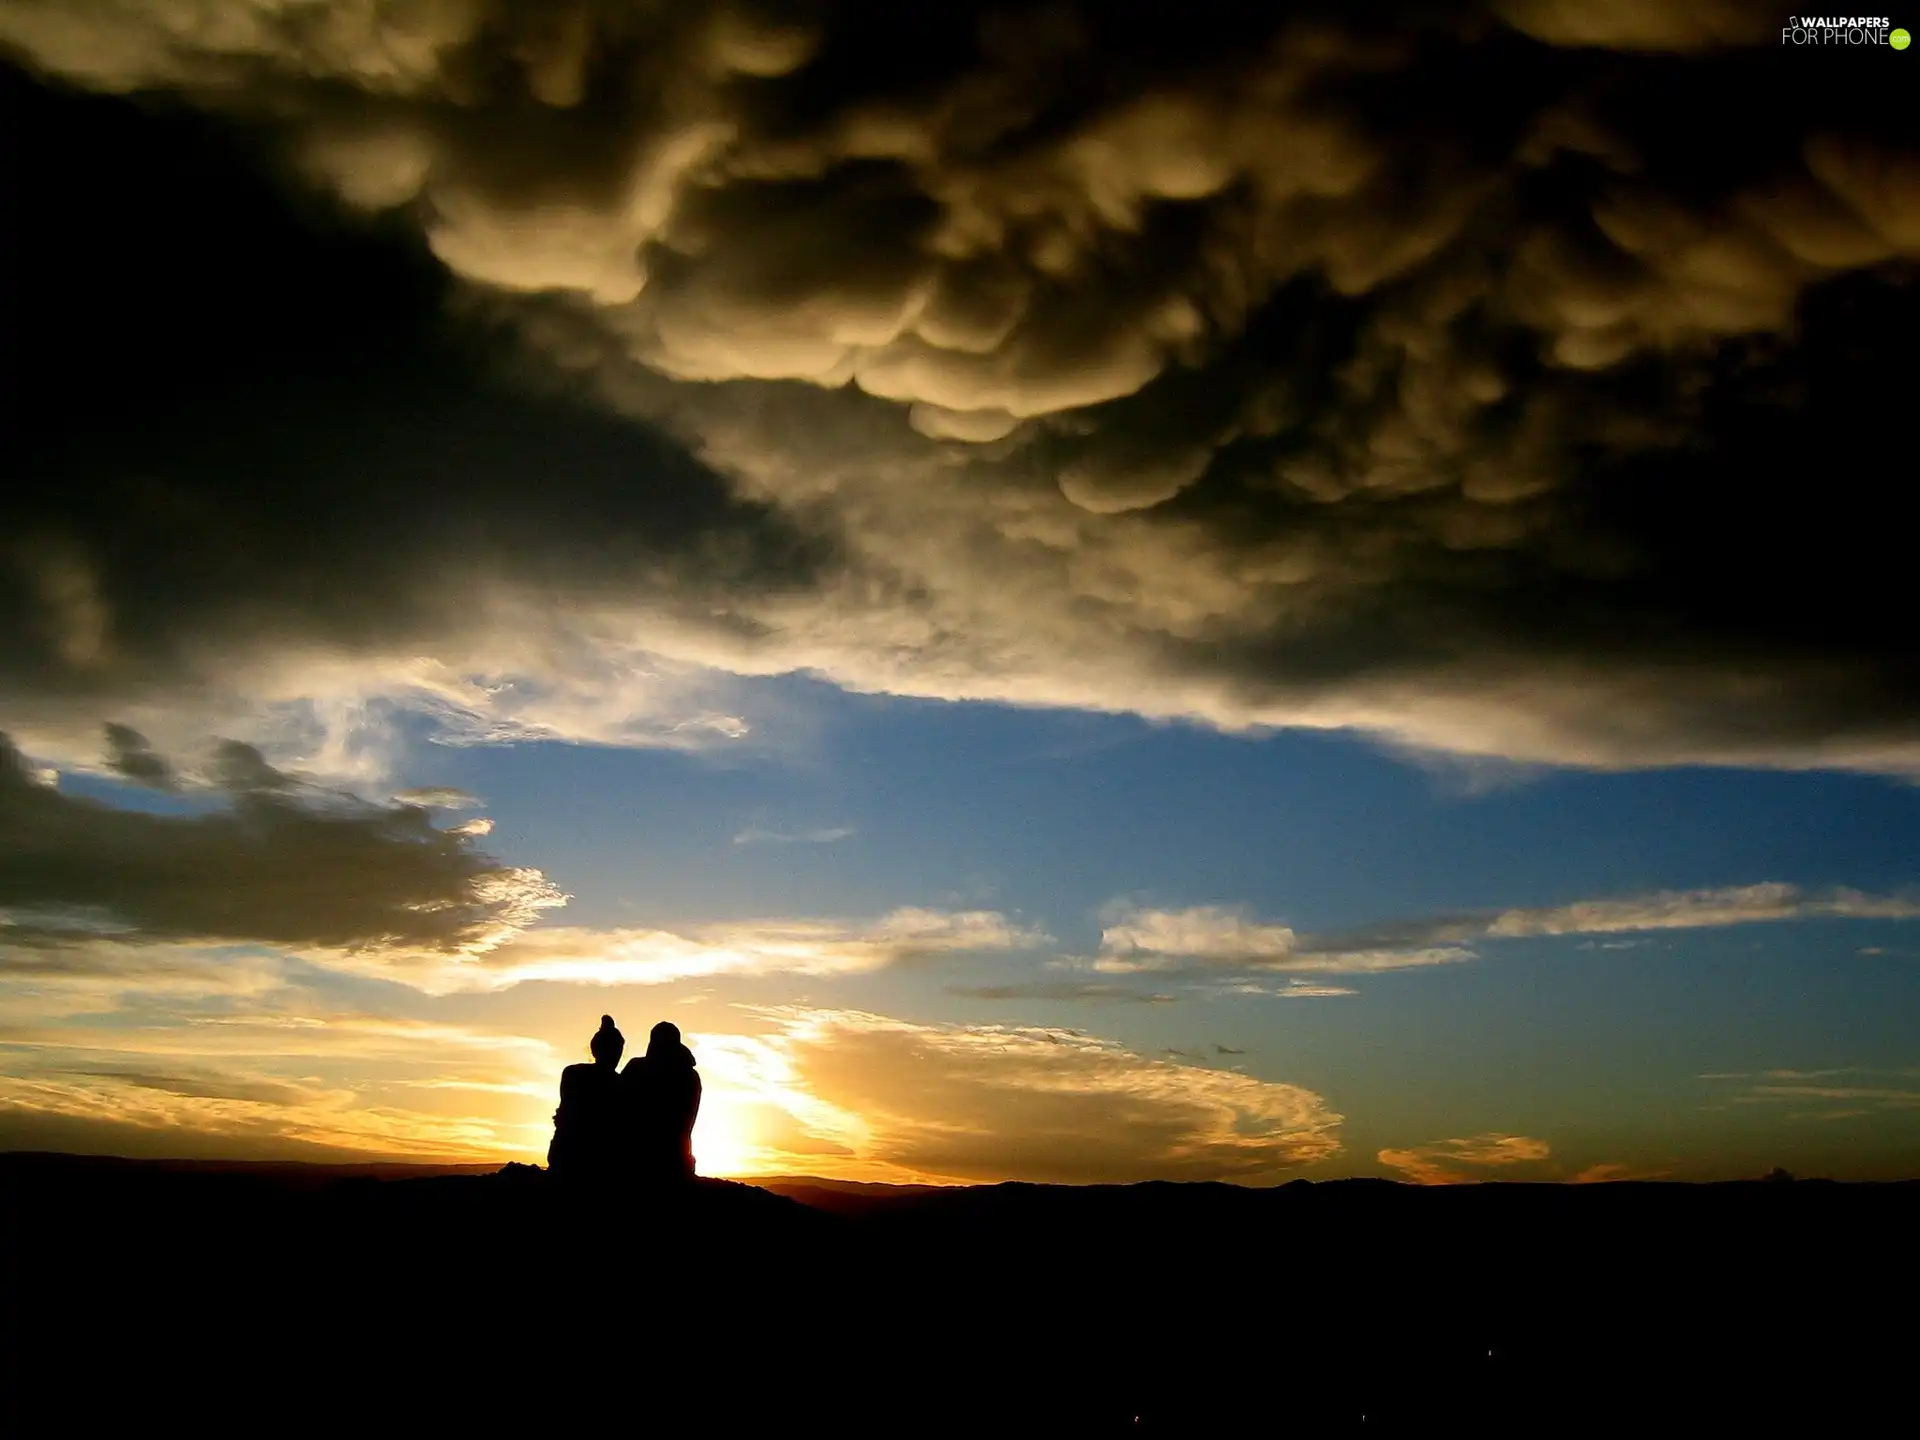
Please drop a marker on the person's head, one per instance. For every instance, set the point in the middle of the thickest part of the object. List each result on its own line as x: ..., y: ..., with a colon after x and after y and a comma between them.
x: 608, y: 1043
x: 664, y: 1039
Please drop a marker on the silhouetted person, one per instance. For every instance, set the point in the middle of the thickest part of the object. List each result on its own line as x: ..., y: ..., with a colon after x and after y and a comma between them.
x: 587, y: 1129
x: 662, y: 1098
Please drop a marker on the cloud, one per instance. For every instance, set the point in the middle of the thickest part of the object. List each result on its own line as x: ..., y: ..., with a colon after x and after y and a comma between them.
x: 279, y: 862
x: 826, y: 836
x: 439, y: 797
x: 1201, y: 933
x: 1643, y: 25
x: 1844, y: 1092
x: 1262, y: 383
x: 54, y: 972
x: 1292, y: 989
x: 1204, y: 940
x: 129, y: 756
x: 1439, y: 1163
x: 282, y: 1075
x: 1609, y: 1172
x: 902, y: 1100
x: 210, y: 1085
x: 1701, y: 909
x: 1062, y: 990
x: 635, y: 956
x: 1212, y: 937
x: 91, y: 893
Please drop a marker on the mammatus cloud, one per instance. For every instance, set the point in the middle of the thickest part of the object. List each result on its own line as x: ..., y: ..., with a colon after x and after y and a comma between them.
x: 861, y: 1096
x: 278, y: 863
x: 1441, y: 1162
x: 1263, y: 380
x: 1208, y: 939
x: 584, y: 956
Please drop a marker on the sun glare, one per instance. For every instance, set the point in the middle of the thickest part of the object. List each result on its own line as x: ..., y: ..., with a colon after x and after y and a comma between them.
x: 723, y: 1144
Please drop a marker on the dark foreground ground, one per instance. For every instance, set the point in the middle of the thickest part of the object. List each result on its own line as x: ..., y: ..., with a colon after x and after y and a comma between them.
x: 300, y: 1298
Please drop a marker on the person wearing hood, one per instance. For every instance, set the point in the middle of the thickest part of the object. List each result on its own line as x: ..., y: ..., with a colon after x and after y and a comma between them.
x: 662, y: 1094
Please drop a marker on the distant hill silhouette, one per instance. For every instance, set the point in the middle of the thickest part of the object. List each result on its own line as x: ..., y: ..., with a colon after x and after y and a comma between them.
x: 284, y: 1295
x: 842, y: 1197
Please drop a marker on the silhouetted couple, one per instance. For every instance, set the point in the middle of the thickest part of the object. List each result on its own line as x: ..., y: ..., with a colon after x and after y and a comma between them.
x: 627, y: 1125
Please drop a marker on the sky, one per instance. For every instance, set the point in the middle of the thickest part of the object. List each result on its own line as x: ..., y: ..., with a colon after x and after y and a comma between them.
x: 1078, y: 593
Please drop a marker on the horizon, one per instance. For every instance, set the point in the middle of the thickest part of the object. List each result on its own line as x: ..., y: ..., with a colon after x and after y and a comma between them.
x: 1079, y: 597
x: 780, y: 1184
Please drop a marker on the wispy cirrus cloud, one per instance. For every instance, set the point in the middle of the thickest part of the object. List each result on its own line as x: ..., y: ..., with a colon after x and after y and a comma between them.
x: 1292, y: 988
x: 1702, y: 909
x: 282, y: 1075
x: 1212, y: 939
x: 159, y: 1050
x: 1836, y: 1093
x: 53, y: 972
x: 863, y: 1096
x: 1063, y: 990
x: 638, y: 956
x: 826, y: 835
x: 1608, y: 1172
x: 1449, y: 1162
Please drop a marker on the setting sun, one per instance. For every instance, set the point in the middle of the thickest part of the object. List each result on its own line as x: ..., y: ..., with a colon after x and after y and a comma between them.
x: 723, y: 1141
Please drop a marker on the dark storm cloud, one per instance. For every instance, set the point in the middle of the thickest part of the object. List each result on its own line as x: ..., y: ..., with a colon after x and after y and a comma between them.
x: 130, y: 756
x: 261, y: 489
x: 1514, y: 381
x: 278, y: 864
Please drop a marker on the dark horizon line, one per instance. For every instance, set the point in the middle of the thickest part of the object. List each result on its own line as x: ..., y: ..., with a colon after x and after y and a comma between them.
x: 425, y: 1169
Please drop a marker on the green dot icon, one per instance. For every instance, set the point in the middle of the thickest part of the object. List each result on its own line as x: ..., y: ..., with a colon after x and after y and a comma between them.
x: 1899, y: 39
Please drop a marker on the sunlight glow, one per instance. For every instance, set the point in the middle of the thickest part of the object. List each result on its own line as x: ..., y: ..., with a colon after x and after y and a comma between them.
x: 723, y: 1143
